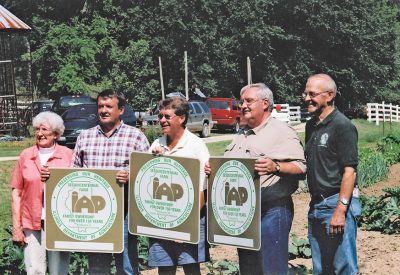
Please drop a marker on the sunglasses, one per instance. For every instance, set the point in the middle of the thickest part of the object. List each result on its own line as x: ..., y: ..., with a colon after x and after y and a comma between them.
x: 167, y: 117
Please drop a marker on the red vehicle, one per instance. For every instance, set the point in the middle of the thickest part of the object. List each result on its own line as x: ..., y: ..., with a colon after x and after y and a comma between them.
x: 225, y: 113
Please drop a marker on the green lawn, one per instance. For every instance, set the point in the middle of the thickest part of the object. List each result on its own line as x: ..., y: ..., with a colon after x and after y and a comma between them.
x: 6, y: 169
x: 369, y: 132
x: 14, y: 148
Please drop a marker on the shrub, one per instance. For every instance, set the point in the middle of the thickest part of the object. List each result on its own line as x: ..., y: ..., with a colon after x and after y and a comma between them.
x: 12, y: 256
x: 389, y: 146
x: 152, y: 133
x: 382, y: 213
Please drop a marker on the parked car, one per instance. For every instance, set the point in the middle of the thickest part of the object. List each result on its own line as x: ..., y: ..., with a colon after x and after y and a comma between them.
x: 84, y: 116
x: 199, y: 120
x: 62, y: 103
x: 225, y: 113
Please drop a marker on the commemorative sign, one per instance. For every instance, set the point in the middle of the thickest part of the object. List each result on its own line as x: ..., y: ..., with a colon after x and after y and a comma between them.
x: 164, y: 197
x: 84, y: 210
x: 233, y: 197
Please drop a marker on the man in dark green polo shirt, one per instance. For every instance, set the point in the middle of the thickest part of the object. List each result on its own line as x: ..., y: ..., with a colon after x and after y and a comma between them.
x: 332, y: 158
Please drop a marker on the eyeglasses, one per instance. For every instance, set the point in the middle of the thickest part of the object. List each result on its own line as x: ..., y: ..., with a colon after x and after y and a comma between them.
x: 167, y: 117
x: 248, y: 102
x: 44, y: 130
x: 313, y: 94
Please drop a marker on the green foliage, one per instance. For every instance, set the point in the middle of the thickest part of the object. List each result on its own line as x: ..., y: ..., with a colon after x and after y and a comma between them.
x: 299, y: 248
x: 79, y: 264
x: 382, y: 213
x: 134, y: 74
x: 143, y: 246
x: 152, y: 132
x: 65, y: 61
x: 224, y: 267
x: 374, y: 164
x: 389, y: 146
x: 12, y: 255
x: 372, y: 168
x: 84, y: 46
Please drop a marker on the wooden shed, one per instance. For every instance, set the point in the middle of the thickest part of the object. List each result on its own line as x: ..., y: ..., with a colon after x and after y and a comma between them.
x: 15, y: 72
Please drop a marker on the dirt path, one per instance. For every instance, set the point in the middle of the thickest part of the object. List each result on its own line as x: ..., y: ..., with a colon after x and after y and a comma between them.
x: 377, y: 253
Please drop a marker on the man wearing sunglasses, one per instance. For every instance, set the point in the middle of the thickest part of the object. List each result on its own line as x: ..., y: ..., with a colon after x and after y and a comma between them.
x: 331, y: 153
x: 280, y: 163
x: 178, y: 141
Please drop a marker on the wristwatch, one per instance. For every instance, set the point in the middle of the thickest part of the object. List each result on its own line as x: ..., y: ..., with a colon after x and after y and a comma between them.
x: 344, y: 201
x: 277, y: 167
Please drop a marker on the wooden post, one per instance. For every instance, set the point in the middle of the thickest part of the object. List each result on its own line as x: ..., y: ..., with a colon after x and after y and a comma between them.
x: 383, y: 124
x: 186, y: 78
x: 390, y: 116
x: 249, y: 80
x: 161, y: 79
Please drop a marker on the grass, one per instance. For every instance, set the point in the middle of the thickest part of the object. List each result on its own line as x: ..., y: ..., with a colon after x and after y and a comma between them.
x: 14, y: 148
x: 369, y: 133
x: 217, y: 148
x: 6, y: 169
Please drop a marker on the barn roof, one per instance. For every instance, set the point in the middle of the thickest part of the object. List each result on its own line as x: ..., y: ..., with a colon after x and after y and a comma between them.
x: 9, y: 21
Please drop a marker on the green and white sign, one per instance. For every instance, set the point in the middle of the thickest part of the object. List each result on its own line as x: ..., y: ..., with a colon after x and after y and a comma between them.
x: 164, y: 197
x: 84, y: 210
x: 234, y: 203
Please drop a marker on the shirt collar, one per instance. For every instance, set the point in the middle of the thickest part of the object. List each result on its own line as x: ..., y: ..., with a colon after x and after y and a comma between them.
x: 253, y: 131
x: 328, y: 119
x: 181, y: 143
x: 57, y: 152
x: 116, y: 130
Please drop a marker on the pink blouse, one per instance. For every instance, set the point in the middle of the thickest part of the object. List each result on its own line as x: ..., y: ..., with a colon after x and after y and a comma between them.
x: 26, y: 177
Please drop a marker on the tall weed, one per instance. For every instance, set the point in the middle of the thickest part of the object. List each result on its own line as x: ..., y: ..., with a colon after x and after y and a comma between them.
x: 372, y: 168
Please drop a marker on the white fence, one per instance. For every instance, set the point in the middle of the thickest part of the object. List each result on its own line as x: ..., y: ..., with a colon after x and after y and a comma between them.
x: 383, y: 112
x: 290, y: 114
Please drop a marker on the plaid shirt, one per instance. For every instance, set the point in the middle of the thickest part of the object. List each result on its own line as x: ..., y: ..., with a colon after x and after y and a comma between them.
x: 95, y: 150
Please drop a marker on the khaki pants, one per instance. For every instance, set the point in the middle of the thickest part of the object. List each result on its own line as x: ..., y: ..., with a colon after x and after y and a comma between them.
x: 35, y: 255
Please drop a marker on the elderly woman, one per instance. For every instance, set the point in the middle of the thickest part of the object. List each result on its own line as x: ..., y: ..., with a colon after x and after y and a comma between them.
x: 27, y: 194
x: 178, y: 141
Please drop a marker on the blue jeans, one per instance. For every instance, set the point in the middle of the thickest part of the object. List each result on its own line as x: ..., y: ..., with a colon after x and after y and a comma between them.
x: 333, y: 254
x: 276, y: 221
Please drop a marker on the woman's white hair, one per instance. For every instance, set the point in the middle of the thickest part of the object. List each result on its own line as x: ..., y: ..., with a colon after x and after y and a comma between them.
x: 263, y: 92
x: 55, y: 122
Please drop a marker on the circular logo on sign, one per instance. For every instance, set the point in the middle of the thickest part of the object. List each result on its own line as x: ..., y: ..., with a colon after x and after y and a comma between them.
x: 164, y: 192
x: 83, y: 205
x: 233, y: 197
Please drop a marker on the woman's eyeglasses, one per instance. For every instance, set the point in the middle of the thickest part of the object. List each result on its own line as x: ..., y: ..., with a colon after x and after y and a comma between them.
x: 43, y: 130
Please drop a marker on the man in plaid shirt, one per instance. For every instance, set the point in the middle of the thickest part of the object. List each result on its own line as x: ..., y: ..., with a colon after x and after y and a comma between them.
x: 108, y: 145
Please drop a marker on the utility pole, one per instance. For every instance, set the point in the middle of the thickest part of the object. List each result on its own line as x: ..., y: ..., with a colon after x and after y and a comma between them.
x: 186, y: 78
x: 161, y: 79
